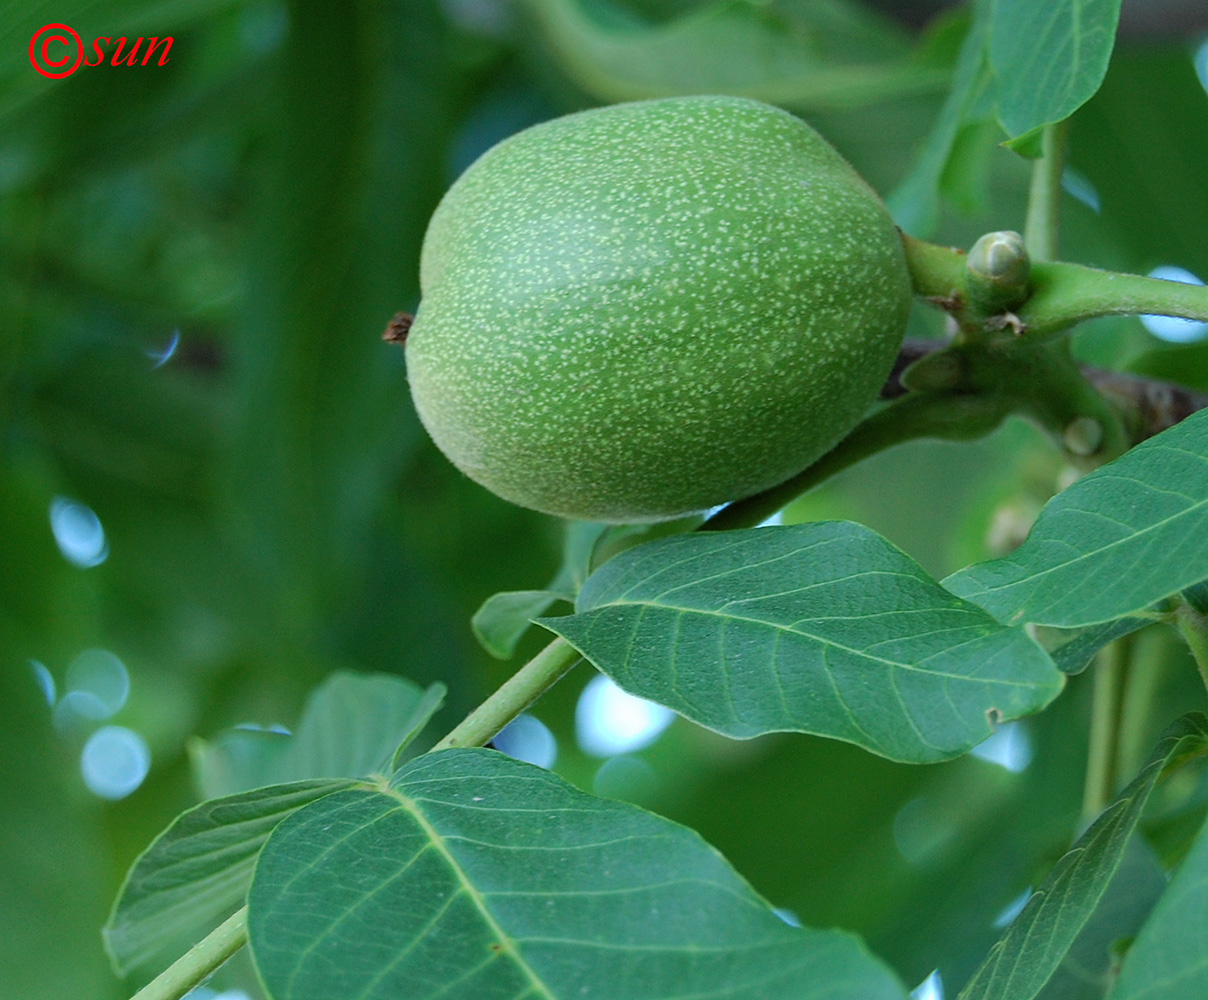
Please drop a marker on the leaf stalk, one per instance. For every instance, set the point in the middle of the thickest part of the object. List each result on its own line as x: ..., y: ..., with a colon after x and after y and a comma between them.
x: 1043, y: 224
x: 199, y: 962
x: 1106, y: 701
x: 513, y: 696
x: 1194, y: 627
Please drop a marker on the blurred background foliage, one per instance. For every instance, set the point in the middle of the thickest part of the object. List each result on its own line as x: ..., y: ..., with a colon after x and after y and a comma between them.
x: 210, y: 469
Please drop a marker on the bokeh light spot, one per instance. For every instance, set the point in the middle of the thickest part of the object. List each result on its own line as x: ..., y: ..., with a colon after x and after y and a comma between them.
x: 114, y: 762
x: 1201, y: 63
x: 931, y: 988
x: 44, y: 680
x: 626, y: 778
x: 263, y: 26
x: 1171, y: 328
x: 610, y: 721
x: 527, y: 738
x: 1081, y: 189
x: 78, y: 533
x: 1009, y: 746
x: 161, y: 356
x: 921, y: 831
x: 99, y: 673
x: 1012, y: 909
x: 484, y: 17
x: 78, y: 710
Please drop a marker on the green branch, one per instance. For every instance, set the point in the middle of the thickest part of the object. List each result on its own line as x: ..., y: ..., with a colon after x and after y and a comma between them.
x: 920, y: 415
x: 1142, y: 684
x: 1059, y: 296
x: 936, y: 272
x: 1065, y: 294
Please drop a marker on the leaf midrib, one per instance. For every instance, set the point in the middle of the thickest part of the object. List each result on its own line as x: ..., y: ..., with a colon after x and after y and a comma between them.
x: 829, y: 642
x: 469, y: 889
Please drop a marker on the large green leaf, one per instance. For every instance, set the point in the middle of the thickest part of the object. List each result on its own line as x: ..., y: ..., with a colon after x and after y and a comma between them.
x: 472, y: 875
x: 1169, y: 959
x: 821, y: 628
x: 352, y: 725
x: 1049, y: 57
x: 1033, y: 947
x: 197, y: 871
x: 729, y: 47
x: 1114, y: 543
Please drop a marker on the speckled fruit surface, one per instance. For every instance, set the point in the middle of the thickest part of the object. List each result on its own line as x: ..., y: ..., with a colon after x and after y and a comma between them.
x: 649, y: 309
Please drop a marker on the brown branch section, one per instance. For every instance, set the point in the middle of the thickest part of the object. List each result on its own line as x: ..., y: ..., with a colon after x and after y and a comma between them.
x: 1157, y: 405
x: 909, y: 353
x: 1153, y: 405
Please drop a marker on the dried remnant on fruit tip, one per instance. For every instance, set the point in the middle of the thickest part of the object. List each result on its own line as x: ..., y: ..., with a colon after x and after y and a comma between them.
x: 574, y: 281
x: 998, y: 271
x: 398, y: 327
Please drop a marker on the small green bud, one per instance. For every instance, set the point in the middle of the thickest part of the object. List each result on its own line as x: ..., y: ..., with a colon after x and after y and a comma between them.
x: 997, y: 272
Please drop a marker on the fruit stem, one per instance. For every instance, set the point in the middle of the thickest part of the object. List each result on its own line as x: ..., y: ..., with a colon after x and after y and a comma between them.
x: 937, y: 273
x: 513, y: 697
x: 199, y: 962
x: 953, y: 417
x: 1044, y: 199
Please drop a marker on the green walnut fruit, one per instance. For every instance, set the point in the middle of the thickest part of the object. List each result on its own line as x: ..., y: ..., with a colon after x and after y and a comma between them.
x: 649, y: 309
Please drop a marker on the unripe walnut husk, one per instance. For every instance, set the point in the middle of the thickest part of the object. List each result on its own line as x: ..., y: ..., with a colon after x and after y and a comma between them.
x: 650, y: 309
